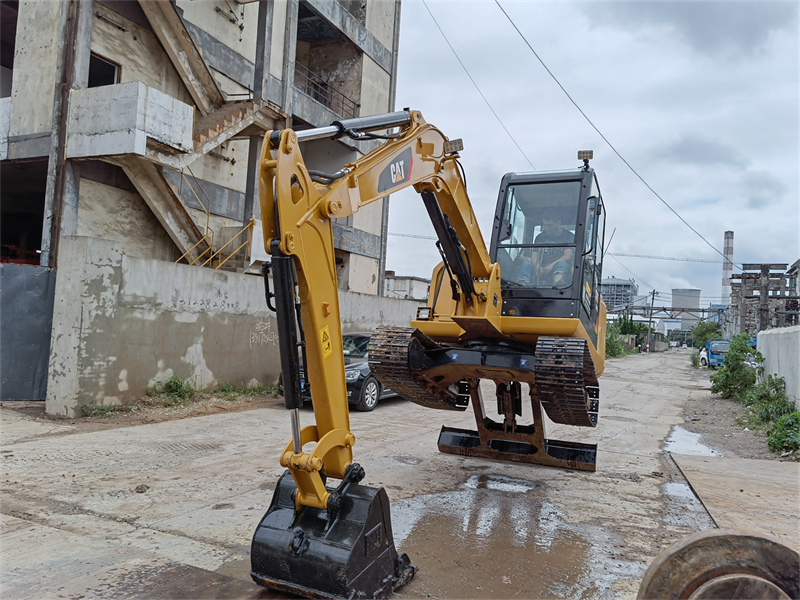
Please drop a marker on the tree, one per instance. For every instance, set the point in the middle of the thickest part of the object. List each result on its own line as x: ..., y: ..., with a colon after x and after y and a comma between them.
x: 704, y: 331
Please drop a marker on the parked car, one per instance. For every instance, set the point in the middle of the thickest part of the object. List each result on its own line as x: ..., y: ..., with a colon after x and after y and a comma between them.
x: 363, y: 390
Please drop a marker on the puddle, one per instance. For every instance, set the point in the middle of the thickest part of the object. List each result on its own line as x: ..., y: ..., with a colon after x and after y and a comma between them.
x: 499, y: 536
x: 681, y: 441
x: 679, y: 490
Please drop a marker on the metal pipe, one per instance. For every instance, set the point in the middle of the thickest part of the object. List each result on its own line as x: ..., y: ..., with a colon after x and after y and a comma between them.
x: 359, y: 124
x: 296, y: 441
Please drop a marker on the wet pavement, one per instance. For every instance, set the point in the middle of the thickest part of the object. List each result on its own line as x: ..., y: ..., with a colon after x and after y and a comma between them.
x: 476, y: 528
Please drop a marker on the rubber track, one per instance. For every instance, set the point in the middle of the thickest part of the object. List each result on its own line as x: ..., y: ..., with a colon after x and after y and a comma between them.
x: 565, y: 379
x: 388, y: 360
x: 566, y: 382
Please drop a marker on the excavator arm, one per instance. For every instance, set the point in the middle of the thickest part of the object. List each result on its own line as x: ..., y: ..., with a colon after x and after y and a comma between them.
x: 298, y: 210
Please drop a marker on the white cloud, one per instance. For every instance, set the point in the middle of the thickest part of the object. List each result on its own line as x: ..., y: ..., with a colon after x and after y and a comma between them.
x: 703, y: 106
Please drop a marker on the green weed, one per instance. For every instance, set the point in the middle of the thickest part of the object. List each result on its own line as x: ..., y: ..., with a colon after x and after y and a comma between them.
x: 784, y: 436
x: 94, y: 410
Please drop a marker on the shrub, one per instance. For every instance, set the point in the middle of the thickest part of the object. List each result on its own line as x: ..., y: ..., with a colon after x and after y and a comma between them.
x: 614, y: 346
x: 767, y: 402
x: 735, y: 378
x: 785, y: 434
x: 704, y: 331
x: 695, y: 358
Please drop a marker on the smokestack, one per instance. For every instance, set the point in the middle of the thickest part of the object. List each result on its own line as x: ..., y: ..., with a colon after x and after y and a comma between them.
x: 727, y: 269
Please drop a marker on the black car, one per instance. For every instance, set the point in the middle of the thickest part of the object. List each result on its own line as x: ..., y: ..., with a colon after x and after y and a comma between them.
x: 363, y: 390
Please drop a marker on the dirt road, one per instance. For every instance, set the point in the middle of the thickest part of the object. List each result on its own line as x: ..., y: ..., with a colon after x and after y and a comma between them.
x: 101, y: 513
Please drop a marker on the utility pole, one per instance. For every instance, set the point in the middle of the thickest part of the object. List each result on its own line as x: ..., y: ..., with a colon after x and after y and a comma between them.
x: 650, y: 322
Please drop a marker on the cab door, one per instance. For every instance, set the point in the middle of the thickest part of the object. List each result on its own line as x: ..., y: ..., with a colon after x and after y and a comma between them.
x: 592, y: 258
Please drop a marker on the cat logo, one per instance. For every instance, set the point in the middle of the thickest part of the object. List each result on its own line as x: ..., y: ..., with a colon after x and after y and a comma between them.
x: 397, y: 171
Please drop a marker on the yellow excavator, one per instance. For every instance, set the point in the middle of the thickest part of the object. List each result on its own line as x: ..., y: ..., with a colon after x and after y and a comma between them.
x: 526, y: 311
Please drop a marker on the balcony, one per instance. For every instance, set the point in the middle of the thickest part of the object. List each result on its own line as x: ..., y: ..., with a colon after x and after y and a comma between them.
x: 313, y: 86
x: 136, y: 119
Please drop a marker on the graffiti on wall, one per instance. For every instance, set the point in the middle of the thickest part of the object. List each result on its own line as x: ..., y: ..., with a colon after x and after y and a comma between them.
x: 262, y: 334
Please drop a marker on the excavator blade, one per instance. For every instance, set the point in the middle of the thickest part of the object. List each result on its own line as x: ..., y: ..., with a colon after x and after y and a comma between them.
x: 312, y: 554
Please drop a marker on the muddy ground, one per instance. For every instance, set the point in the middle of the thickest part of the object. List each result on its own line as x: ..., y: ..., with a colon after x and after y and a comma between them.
x: 89, y: 501
x: 709, y: 415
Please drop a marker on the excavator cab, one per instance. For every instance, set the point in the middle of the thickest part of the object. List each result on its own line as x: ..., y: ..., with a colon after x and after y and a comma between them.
x: 548, y: 240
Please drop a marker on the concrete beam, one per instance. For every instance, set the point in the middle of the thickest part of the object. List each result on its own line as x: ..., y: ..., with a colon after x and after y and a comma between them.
x: 162, y: 200
x: 187, y: 60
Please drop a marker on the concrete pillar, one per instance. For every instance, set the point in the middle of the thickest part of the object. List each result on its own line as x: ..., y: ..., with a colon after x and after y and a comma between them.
x: 390, y: 108
x: 289, y: 55
x: 63, y: 177
x: 260, y: 90
x: 763, y: 301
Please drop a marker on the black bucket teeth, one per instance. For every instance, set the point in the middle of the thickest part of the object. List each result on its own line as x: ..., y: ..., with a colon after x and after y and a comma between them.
x: 353, y: 556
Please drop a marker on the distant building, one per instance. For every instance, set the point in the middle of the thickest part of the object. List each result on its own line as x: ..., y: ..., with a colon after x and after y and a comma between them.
x: 618, y: 293
x: 687, y: 298
x: 408, y: 288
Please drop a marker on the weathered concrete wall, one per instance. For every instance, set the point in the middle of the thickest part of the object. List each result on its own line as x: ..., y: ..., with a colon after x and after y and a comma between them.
x: 374, y: 88
x: 278, y: 39
x: 365, y: 312
x: 123, y: 216
x: 5, y: 121
x: 242, y: 41
x: 781, y: 350
x: 139, y: 52
x: 35, y: 60
x: 363, y: 274
x: 121, y: 323
x: 380, y: 21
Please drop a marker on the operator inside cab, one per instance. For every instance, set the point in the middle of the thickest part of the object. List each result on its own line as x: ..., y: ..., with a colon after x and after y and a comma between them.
x: 539, y: 248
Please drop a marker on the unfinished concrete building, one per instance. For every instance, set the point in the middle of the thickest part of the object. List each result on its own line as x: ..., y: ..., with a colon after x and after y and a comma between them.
x: 129, y: 137
x: 618, y: 293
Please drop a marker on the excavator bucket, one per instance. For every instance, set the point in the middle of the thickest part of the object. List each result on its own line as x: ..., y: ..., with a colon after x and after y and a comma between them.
x: 346, y: 551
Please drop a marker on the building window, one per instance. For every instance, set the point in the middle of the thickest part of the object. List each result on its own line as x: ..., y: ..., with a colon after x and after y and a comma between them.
x: 102, y: 71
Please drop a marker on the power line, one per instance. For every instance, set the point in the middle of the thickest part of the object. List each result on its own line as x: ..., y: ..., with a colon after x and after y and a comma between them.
x: 631, y: 272
x: 476, y: 85
x: 610, y: 145
x: 701, y: 260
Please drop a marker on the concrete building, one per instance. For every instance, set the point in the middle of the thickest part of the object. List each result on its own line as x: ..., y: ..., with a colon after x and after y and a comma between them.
x: 618, y: 293
x: 136, y: 126
x: 409, y: 288
x: 687, y: 298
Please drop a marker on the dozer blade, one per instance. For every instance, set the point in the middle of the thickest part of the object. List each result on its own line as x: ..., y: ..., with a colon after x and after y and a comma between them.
x: 511, y: 441
x: 314, y: 553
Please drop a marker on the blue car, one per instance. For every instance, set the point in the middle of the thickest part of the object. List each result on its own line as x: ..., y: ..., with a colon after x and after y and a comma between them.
x: 363, y: 390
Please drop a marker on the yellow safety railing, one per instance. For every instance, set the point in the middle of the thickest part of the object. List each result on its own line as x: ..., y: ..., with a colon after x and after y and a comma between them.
x: 218, y: 254
x: 207, y: 209
x: 209, y: 252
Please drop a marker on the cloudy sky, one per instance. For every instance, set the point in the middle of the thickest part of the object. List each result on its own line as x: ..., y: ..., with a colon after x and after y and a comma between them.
x: 701, y: 98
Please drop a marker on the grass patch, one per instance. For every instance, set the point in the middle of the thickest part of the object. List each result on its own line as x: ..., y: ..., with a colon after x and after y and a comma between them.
x: 94, y: 410
x: 174, y: 391
x: 231, y: 392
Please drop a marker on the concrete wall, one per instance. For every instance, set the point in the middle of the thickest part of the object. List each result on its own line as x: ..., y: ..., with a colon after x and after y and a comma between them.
x: 139, y: 52
x: 35, y: 59
x: 781, y: 350
x: 123, y: 216
x: 121, y: 323
x: 365, y: 312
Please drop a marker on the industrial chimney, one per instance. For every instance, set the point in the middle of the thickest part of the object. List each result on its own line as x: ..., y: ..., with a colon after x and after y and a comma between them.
x: 727, y: 269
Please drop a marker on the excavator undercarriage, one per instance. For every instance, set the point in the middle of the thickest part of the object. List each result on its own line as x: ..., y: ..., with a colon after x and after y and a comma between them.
x: 559, y: 374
